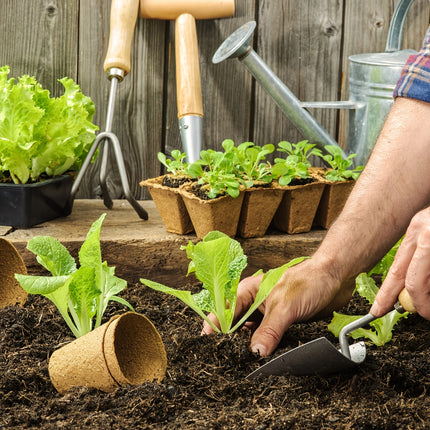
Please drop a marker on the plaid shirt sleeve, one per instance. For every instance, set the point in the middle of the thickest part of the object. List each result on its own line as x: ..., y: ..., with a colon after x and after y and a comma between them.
x: 414, y: 81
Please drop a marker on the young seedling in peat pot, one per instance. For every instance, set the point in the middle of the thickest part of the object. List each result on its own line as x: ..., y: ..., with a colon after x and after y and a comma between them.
x: 261, y: 199
x: 218, y: 261
x: 303, y: 190
x: 340, y: 179
x: 214, y: 201
x: 164, y: 191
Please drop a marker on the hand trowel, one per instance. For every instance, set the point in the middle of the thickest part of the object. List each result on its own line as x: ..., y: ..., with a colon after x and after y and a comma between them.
x: 321, y: 357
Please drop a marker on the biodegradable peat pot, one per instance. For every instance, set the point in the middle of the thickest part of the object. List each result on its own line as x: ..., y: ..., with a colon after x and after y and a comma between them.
x: 220, y: 214
x: 298, y: 207
x: 29, y: 204
x: 332, y: 202
x: 258, y: 208
x: 11, y: 262
x: 170, y: 206
x: 125, y: 350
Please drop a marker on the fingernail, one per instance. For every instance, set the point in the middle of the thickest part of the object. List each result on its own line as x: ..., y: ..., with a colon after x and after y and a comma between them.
x: 259, y: 349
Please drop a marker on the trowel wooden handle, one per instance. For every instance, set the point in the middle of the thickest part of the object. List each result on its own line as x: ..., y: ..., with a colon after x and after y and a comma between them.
x: 123, y: 18
x: 406, y: 302
x: 188, y: 84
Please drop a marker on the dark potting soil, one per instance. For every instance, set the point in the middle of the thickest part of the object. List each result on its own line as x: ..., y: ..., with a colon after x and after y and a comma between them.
x: 174, y: 181
x: 205, y: 385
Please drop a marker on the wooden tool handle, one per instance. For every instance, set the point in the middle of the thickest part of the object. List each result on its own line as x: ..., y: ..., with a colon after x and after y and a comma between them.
x: 406, y: 302
x: 123, y: 18
x: 188, y: 84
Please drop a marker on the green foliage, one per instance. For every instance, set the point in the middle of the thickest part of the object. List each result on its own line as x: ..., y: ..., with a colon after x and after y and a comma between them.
x: 381, y: 329
x: 218, y: 261
x: 303, y: 150
x: 250, y: 162
x: 81, y: 294
x: 177, y: 164
x: 296, y: 164
x: 340, y: 167
x: 216, y: 171
x: 39, y: 134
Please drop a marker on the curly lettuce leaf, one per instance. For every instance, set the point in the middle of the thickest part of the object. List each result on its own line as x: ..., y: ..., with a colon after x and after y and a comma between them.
x: 40, y: 134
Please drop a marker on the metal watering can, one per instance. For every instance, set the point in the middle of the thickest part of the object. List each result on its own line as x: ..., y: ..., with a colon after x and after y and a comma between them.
x: 372, y: 80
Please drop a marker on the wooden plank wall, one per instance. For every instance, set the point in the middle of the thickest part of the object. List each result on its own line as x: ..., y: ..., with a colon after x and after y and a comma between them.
x: 305, y: 42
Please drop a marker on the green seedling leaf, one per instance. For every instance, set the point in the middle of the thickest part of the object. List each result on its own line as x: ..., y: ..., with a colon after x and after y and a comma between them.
x: 39, y: 134
x: 340, y: 168
x: 81, y: 294
x: 52, y: 255
x: 218, y: 262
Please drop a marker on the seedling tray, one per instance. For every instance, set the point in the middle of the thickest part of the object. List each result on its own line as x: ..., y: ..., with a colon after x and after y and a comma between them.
x: 30, y: 204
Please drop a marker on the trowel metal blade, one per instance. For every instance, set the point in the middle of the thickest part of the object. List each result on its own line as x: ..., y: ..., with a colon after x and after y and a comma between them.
x: 318, y: 357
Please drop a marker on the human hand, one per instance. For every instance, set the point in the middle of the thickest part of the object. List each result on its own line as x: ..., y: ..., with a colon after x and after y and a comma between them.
x: 410, y: 270
x: 303, y: 292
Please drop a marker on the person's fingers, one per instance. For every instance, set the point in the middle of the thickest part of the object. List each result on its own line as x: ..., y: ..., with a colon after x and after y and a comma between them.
x: 246, y: 292
x: 207, y: 328
x: 395, y: 280
x: 417, y: 281
x: 273, y: 326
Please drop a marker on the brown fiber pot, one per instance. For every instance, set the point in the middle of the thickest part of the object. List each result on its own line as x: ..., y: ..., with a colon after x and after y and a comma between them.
x: 332, y: 202
x: 298, y: 207
x: 125, y: 350
x: 170, y: 206
x: 258, y: 208
x: 220, y: 214
x: 11, y: 262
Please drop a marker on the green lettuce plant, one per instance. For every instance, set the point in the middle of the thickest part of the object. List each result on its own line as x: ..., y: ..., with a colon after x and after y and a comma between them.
x: 215, y: 172
x: 340, y: 168
x: 175, y: 165
x: 296, y: 163
x: 42, y: 135
x: 218, y: 261
x: 250, y: 163
x: 380, y: 331
x: 82, y: 294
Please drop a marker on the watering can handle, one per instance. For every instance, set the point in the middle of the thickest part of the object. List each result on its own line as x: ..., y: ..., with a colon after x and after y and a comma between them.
x: 395, y: 32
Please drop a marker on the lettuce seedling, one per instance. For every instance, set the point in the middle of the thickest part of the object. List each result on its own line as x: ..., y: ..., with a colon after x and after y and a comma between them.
x: 218, y: 261
x: 381, y: 329
x: 215, y: 171
x: 42, y: 135
x: 80, y: 294
x: 340, y: 167
x: 249, y: 162
x: 177, y: 164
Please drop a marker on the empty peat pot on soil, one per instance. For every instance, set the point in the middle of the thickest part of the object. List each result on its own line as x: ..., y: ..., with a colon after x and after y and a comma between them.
x: 11, y: 262
x: 25, y: 205
x: 169, y: 204
x: 126, y: 350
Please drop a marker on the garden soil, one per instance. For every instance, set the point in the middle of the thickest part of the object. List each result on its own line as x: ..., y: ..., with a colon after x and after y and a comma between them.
x: 205, y: 385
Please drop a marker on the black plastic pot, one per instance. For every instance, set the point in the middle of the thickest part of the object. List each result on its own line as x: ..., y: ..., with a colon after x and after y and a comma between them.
x: 30, y: 204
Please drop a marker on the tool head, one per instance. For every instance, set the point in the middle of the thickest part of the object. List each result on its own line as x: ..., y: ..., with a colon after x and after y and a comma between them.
x: 237, y: 44
x: 171, y: 9
x: 318, y: 357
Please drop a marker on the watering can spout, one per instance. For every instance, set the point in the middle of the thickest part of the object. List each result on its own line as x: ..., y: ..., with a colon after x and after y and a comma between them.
x: 238, y: 45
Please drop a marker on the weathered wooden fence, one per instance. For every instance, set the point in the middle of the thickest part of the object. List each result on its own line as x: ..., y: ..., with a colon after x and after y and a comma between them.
x: 306, y: 43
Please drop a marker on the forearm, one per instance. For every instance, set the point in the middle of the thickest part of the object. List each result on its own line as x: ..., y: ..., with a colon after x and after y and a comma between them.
x: 391, y: 189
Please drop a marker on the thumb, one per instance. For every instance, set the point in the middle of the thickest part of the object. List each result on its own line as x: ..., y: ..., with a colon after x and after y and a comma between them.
x: 268, y: 335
